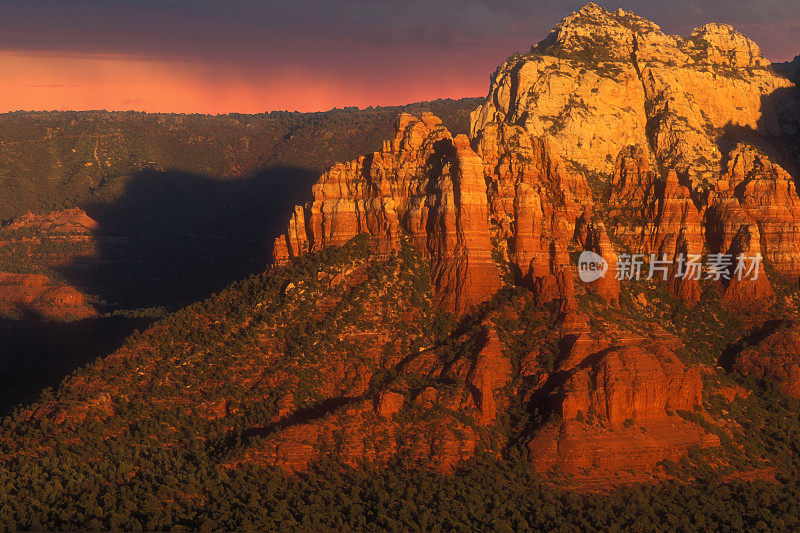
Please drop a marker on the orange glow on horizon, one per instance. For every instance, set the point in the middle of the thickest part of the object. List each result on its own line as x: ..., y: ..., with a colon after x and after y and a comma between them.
x: 44, y: 82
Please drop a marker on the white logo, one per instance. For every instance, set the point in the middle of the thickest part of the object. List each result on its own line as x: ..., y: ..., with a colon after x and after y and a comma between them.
x: 591, y: 266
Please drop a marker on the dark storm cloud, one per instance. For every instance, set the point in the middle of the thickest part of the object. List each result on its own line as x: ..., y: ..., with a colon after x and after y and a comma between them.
x: 246, y: 30
x: 217, y: 56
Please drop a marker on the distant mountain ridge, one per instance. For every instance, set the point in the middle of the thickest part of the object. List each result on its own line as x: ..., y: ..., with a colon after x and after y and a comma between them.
x: 55, y: 160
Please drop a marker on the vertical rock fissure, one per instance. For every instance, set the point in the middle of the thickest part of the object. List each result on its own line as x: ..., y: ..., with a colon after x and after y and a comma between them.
x: 648, y: 107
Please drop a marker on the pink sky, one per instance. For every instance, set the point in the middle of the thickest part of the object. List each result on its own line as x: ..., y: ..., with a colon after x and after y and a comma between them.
x: 250, y: 56
x: 52, y: 82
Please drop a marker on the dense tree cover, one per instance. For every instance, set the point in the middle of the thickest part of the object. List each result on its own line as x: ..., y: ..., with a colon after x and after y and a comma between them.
x: 159, y: 463
x: 184, y: 490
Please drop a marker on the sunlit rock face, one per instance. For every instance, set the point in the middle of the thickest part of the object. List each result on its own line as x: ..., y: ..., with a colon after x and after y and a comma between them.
x: 423, y: 184
x: 604, y: 80
x: 669, y: 130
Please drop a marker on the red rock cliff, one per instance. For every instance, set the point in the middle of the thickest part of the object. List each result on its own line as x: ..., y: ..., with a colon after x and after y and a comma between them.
x: 424, y: 184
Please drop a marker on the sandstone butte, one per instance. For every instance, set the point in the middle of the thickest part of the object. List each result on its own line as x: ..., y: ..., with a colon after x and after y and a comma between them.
x: 684, y: 139
x: 608, y: 136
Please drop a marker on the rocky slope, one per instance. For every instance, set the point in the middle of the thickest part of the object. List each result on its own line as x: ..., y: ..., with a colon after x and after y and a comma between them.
x: 633, y: 84
x: 774, y: 356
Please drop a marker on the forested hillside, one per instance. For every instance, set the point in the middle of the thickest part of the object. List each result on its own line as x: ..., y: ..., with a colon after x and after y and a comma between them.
x: 155, y: 212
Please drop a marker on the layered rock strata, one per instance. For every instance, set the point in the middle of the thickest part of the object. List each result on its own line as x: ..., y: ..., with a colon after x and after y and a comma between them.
x: 612, y: 137
x: 615, y: 404
x: 423, y: 184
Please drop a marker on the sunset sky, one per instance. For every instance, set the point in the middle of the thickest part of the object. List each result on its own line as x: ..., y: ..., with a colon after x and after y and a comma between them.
x: 249, y: 56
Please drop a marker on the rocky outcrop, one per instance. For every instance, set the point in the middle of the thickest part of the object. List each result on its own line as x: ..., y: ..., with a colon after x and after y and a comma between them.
x: 605, y: 457
x: 767, y: 196
x: 68, y: 221
x: 776, y: 357
x: 457, y: 233
x: 295, y: 242
x: 606, y: 109
x: 491, y: 372
x: 748, y: 284
x: 389, y: 404
x: 534, y: 199
x: 423, y: 184
x: 606, y: 80
x: 544, y: 92
x: 751, y: 211
x: 373, y: 193
x: 661, y: 115
x: 616, y: 406
x: 36, y: 296
x: 597, y: 241
x: 632, y: 187
x: 656, y: 217
x: 639, y: 382
x: 680, y: 283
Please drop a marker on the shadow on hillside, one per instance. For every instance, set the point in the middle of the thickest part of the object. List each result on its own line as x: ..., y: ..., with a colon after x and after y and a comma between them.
x: 169, y: 240
x: 35, y: 355
x: 174, y: 238
x: 753, y: 338
x: 777, y: 133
